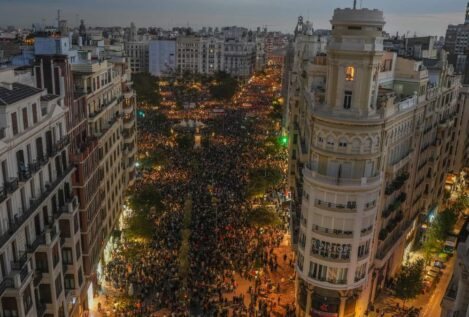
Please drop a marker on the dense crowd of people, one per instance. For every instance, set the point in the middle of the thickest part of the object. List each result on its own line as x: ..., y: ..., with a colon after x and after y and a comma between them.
x: 222, y: 244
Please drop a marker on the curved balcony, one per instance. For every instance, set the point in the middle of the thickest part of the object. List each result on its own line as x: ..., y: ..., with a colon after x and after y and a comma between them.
x: 334, y: 233
x: 128, y: 123
x: 364, y: 183
x: 349, y: 207
x: 331, y: 283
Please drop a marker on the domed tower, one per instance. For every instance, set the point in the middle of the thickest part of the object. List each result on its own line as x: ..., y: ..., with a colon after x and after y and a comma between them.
x: 342, y: 179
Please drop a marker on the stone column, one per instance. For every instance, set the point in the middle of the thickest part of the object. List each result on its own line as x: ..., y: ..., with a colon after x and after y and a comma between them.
x: 309, y: 300
x: 342, y: 306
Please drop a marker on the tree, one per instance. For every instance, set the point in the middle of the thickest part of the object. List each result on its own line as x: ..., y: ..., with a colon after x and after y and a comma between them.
x: 146, y: 87
x: 146, y: 198
x: 185, y: 141
x: 223, y: 87
x: 462, y: 203
x: 262, y: 217
x: 409, y: 282
x: 262, y: 179
x: 139, y: 226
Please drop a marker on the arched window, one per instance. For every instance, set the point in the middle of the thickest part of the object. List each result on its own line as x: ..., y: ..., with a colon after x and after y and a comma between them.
x: 356, y: 146
x: 368, y: 144
x: 350, y: 73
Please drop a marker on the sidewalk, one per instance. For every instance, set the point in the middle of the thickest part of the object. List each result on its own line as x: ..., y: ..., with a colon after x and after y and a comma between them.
x: 277, y: 300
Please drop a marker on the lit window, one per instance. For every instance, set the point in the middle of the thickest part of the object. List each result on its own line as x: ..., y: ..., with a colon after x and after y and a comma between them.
x: 350, y: 73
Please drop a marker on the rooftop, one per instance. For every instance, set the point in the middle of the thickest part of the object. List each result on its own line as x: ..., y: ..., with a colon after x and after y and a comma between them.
x: 49, y: 97
x: 11, y: 93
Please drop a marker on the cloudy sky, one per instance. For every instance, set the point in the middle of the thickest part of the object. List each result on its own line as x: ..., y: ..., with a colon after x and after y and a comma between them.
x: 421, y: 16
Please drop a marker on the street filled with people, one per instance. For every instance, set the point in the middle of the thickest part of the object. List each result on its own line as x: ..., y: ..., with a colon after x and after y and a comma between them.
x: 212, y: 239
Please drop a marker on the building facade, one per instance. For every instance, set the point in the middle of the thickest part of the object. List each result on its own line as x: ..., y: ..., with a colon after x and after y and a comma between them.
x: 67, y: 155
x: 370, y: 145
x: 40, y: 257
x: 138, y: 55
x: 162, y: 57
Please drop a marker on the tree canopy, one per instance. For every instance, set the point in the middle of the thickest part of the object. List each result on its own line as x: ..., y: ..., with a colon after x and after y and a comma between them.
x: 146, y: 87
x: 262, y: 179
x: 409, y: 282
x: 262, y: 217
x: 223, y: 87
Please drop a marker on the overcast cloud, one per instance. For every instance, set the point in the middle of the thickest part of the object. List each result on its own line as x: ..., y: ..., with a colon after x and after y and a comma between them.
x: 421, y: 16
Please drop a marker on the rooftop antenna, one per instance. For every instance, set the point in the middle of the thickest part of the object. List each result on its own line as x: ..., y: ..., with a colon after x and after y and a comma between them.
x: 354, y: 4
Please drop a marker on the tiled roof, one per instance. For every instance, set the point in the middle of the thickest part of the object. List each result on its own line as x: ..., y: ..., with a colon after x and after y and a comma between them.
x: 19, y: 92
x: 49, y: 97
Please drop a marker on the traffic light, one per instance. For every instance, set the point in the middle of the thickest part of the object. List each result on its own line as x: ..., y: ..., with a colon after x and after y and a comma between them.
x: 141, y: 113
x: 284, y: 140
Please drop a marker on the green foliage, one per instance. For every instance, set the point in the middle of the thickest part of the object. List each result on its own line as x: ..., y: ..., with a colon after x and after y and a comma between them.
x: 262, y: 217
x: 277, y: 112
x: 156, y: 158
x: 146, y: 87
x: 409, y: 282
x: 272, y: 146
x: 145, y: 198
x: 438, y: 231
x: 397, y: 183
x: 138, y: 226
x: 462, y: 203
x: 223, y: 87
x: 185, y: 141
x: 263, y: 179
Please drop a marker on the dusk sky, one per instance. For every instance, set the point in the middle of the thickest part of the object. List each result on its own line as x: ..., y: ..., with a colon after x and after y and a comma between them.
x: 422, y: 16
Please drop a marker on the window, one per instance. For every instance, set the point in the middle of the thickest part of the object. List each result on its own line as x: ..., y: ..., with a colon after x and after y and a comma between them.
x: 58, y: 285
x: 9, y: 306
x: 360, y: 272
x: 14, y: 123
x: 78, y: 250
x: 67, y: 256
x: 44, y: 293
x: 25, y: 118
x: 27, y: 300
x: 318, y: 271
x: 363, y: 249
x: 69, y: 281
x: 55, y: 254
x: 350, y: 73
x: 347, y: 99
x: 34, y: 113
x: 80, y: 277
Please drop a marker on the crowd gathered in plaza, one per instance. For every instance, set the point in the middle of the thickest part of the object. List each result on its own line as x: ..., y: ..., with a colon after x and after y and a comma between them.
x: 224, y: 248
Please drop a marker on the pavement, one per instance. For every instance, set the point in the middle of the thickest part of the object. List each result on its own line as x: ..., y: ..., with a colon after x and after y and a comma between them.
x: 278, y: 300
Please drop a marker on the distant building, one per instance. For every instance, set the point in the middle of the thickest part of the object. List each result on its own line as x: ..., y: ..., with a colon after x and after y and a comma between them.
x: 162, y: 57
x: 138, y: 55
x: 456, y: 42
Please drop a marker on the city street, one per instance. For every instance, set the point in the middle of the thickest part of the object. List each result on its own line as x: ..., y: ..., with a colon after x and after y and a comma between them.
x: 230, y: 254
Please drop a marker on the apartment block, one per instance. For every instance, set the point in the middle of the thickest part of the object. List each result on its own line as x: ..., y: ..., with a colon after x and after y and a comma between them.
x: 105, y: 159
x: 138, y: 55
x: 372, y: 136
x: 40, y: 263
x: 67, y: 155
